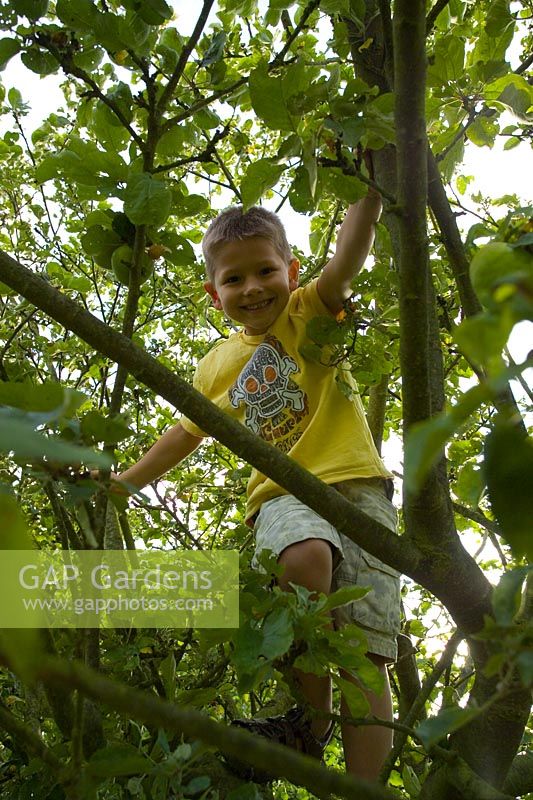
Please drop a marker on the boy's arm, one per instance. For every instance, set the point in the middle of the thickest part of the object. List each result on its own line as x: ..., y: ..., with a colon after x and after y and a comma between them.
x: 354, y: 241
x: 175, y: 445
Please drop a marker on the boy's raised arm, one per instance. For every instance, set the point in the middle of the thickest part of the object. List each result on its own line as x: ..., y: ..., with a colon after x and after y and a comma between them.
x: 175, y: 445
x: 354, y: 240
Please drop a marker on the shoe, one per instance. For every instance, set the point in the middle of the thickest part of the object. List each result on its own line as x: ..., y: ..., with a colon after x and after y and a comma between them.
x: 292, y: 729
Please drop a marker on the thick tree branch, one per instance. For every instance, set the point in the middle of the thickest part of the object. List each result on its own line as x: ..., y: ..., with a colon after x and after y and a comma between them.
x: 412, y: 148
x: 519, y: 780
x: 29, y: 740
x: 151, y: 710
x: 377, y: 405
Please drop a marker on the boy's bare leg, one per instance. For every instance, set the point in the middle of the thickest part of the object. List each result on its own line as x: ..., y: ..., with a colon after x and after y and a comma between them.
x: 309, y: 563
x: 366, y: 747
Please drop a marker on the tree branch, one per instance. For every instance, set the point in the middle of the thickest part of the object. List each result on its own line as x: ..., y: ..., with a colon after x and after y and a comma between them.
x: 29, y: 739
x: 431, y: 18
x: 306, y: 13
x: 519, y: 780
x: 276, y: 759
x: 417, y: 707
x: 184, y: 56
x: 412, y: 148
x: 451, y: 238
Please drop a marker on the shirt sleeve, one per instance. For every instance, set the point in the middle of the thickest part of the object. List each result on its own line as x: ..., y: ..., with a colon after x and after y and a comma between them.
x: 186, y: 423
x: 310, y: 302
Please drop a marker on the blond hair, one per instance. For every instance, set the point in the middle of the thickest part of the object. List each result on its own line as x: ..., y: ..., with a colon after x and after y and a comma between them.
x: 232, y: 224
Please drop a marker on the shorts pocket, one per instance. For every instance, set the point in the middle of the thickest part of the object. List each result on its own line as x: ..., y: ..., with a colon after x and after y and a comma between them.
x: 379, y: 609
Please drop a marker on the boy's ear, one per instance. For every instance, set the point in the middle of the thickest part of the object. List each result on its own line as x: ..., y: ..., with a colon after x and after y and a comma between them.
x: 210, y: 289
x: 294, y: 266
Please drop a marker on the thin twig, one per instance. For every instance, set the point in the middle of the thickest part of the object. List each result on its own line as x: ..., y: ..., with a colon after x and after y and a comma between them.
x: 184, y: 55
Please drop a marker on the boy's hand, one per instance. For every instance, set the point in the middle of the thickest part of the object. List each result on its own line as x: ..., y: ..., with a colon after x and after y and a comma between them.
x: 116, y: 486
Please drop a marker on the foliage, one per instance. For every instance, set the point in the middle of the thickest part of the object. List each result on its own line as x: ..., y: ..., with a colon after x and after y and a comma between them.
x: 108, y: 198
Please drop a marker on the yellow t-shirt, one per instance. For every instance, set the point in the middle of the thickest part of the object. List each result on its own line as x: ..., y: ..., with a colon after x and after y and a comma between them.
x: 295, y: 404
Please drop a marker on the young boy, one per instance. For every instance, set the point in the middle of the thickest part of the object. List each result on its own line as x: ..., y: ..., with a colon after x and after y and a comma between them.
x: 259, y: 376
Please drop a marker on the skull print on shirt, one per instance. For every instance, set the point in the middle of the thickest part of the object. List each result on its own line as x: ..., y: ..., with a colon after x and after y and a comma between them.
x: 274, y: 403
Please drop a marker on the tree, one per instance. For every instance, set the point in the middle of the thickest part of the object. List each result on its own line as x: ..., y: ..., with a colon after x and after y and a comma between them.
x: 105, y: 202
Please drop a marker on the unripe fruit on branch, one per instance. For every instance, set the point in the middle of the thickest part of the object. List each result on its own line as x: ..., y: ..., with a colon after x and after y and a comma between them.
x: 121, y: 262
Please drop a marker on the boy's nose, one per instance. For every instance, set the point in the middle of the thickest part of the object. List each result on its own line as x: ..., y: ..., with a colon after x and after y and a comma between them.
x: 253, y: 286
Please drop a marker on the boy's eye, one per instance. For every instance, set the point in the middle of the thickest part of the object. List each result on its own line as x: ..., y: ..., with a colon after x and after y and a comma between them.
x: 231, y: 279
x: 266, y: 270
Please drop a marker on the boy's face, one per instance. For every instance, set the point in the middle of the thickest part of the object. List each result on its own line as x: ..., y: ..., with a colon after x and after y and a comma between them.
x: 252, y: 283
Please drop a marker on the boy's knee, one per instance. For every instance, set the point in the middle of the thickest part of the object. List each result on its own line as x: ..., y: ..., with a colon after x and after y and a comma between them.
x: 307, y: 563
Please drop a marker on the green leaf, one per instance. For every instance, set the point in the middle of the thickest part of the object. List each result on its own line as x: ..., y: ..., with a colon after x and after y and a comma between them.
x: 147, y: 201
x: 325, y: 330
x: 89, y: 58
x: 173, y: 140
x: 425, y: 440
x: 197, y: 698
x: 100, y: 243
x: 311, y: 352
x: 97, y: 428
x: 8, y: 49
x: 447, y: 62
x: 196, y: 785
x: 432, y: 730
x: 154, y: 12
x: 78, y: 15
x: 508, y: 468
x: 409, y: 776
x: 483, y: 131
x: 269, y: 95
x: 354, y: 697
x: 215, y: 51
x: 167, y: 670
x: 524, y: 662
x: 507, y: 595
x: 33, y: 9
x: 132, y: 30
x: 483, y: 337
x: 18, y: 436
x: 246, y: 791
x: 278, y: 633
x: 50, y: 397
x: 117, y: 759
x: 347, y: 188
x: 23, y: 648
x: 348, y: 594
x: 470, y: 484
x: 260, y: 176
x: 300, y: 192
x: 15, y: 99
x: 15, y: 534
x: 499, y: 18
x: 121, y: 96
x: 512, y: 91
x: 40, y: 61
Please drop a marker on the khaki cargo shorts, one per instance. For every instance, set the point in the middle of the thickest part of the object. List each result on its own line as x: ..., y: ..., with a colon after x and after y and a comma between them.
x: 284, y: 520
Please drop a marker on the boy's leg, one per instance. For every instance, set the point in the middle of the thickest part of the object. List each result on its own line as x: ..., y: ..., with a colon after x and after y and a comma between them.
x: 367, y: 746
x: 309, y: 563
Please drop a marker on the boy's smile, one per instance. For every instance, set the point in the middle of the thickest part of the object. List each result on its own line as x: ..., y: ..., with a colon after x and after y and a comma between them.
x: 252, y: 282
